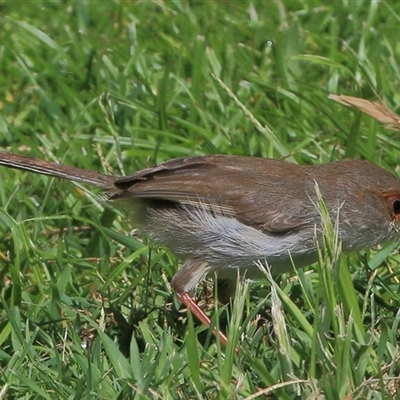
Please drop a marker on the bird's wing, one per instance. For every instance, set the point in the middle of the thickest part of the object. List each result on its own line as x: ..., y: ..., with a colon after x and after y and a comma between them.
x: 257, y: 191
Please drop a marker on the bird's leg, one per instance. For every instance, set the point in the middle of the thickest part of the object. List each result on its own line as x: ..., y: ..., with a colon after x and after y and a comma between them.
x: 193, y: 307
x: 186, y: 279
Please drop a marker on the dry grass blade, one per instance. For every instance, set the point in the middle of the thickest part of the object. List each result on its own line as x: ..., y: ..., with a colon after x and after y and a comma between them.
x: 377, y: 110
x: 269, y: 390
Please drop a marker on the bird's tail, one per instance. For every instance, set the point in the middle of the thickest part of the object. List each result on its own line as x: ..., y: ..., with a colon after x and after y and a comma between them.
x: 43, y: 167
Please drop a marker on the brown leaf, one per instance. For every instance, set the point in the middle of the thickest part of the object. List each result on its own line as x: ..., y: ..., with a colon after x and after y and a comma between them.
x: 376, y: 110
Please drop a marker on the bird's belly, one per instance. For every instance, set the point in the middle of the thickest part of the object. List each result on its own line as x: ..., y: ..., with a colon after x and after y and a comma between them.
x: 228, y: 245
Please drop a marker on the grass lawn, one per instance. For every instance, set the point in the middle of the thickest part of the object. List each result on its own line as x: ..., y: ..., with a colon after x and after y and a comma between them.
x: 87, y: 310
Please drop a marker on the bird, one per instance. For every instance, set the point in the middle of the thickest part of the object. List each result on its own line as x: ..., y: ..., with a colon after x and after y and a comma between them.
x: 221, y: 214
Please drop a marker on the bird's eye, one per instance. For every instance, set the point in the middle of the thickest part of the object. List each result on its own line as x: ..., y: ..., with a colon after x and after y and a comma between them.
x: 396, y: 206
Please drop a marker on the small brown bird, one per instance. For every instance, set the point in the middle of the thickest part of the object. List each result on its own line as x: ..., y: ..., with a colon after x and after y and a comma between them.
x: 221, y: 214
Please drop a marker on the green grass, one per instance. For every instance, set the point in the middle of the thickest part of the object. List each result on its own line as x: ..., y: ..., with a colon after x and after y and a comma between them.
x: 87, y: 309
